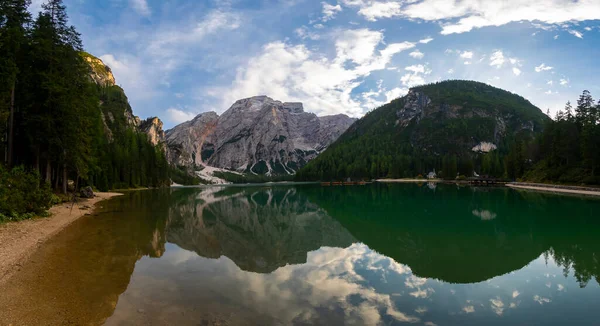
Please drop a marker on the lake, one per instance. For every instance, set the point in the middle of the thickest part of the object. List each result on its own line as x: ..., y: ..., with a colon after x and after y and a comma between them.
x: 295, y: 255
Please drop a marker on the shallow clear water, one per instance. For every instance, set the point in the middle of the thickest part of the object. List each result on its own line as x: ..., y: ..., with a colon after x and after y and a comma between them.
x: 364, y: 255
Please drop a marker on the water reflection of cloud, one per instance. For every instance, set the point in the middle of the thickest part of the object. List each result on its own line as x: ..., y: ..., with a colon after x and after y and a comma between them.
x: 468, y: 309
x: 484, y: 215
x: 497, y: 306
x: 329, y: 281
x: 515, y: 294
x: 541, y: 300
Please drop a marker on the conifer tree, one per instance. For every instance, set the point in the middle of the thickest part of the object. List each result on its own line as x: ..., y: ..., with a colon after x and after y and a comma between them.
x: 14, y: 24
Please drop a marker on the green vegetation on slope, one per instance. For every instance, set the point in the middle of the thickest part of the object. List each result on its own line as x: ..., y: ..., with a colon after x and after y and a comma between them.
x: 460, y: 115
x: 51, y: 120
x: 567, y: 152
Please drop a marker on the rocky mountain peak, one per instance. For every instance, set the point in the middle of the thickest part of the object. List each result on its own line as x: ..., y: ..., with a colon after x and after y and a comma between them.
x: 256, y: 135
x: 153, y: 127
x: 100, y: 73
x: 294, y: 107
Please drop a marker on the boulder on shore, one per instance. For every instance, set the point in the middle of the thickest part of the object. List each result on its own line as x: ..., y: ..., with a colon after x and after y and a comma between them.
x: 87, y: 192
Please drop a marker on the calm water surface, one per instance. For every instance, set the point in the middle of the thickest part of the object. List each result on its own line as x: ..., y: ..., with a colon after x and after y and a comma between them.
x: 295, y: 255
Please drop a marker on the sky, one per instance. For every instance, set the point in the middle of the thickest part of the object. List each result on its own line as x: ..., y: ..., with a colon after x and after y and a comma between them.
x: 176, y: 59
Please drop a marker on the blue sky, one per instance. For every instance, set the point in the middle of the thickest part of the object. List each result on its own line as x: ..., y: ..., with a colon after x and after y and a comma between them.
x: 177, y: 58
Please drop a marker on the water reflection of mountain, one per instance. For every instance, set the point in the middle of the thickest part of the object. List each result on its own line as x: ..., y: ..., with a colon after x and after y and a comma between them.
x: 77, y: 277
x: 465, y: 235
x: 260, y: 229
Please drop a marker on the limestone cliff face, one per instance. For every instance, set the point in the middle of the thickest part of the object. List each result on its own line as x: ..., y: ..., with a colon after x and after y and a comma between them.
x: 116, y: 111
x: 100, y: 73
x: 256, y: 135
x: 153, y: 127
x: 187, y: 140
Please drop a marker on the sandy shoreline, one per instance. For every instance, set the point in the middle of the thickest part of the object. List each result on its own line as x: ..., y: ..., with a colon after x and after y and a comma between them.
x: 555, y: 189
x: 20, y: 239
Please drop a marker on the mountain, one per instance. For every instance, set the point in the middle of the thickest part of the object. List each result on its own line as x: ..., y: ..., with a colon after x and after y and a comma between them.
x: 131, y: 152
x: 256, y: 135
x: 117, y: 114
x: 449, y: 126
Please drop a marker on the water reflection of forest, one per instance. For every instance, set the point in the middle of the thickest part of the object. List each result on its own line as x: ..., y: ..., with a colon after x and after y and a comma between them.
x: 458, y: 235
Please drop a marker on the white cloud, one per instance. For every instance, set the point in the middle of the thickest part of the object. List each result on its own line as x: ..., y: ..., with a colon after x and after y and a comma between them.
x: 377, y: 9
x: 329, y: 11
x: 179, y: 95
x: 426, y: 40
x: 466, y: 55
x: 575, y: 33
x: 170, y: 43
x: 294, y: 73
x: 415, y: 76
x: 550, y: 82
x: 497, y: 59
x: 450, y: 71
x: 464, y: 16
x: 141, y: 6
x: 178, y: 116
x: 515, y: 294
x: 304, y: 33
x: 395, y: 93
x: 543, y: 67
x: 587, y: 28
x: 564, y: 81
x: 418, y: 69
x: 556, y: 37
x: 516, y: 71
x: 417, y: 54
x: 514, y: 61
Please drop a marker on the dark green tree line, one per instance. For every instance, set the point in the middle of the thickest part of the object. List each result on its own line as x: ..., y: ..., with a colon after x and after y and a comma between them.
x: 568, y: 151
x: 50, y: 116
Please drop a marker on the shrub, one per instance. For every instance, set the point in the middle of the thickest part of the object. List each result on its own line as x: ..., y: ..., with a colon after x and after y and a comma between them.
x: 22, y: 196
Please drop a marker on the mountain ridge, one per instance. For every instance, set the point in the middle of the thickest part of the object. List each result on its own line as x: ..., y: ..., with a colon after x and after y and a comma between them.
x: 257, y: 135
x: 436, y: 126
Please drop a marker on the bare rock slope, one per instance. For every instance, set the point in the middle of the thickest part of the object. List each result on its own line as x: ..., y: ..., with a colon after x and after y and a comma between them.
x: 256, y: 135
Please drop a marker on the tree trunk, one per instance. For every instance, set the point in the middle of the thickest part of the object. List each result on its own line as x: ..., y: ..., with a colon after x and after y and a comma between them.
x: 64, y: 181
x: 48, y: 172
x: 11, y: 123
x: 56, y: 178
x: 37, y: 161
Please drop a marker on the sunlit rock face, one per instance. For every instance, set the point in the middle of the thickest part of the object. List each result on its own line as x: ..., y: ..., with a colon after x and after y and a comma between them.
x: 187, y: 140
x: 102, y: 75
x: 153, y: 127
x: 256, y: 135
x: 484, y: 147
x: 259, y: 230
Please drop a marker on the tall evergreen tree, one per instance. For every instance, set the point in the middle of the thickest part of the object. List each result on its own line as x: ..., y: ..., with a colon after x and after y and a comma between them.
x: 14, y: 23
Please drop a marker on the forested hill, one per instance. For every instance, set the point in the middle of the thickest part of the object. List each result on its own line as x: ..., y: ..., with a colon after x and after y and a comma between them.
x: 453, y: 127
x: 62, y: 115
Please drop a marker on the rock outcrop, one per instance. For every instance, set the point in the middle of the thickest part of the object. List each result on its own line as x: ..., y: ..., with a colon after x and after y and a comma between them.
x: 112, y: 118
x: 256, y: 135
x: 101, y: 74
